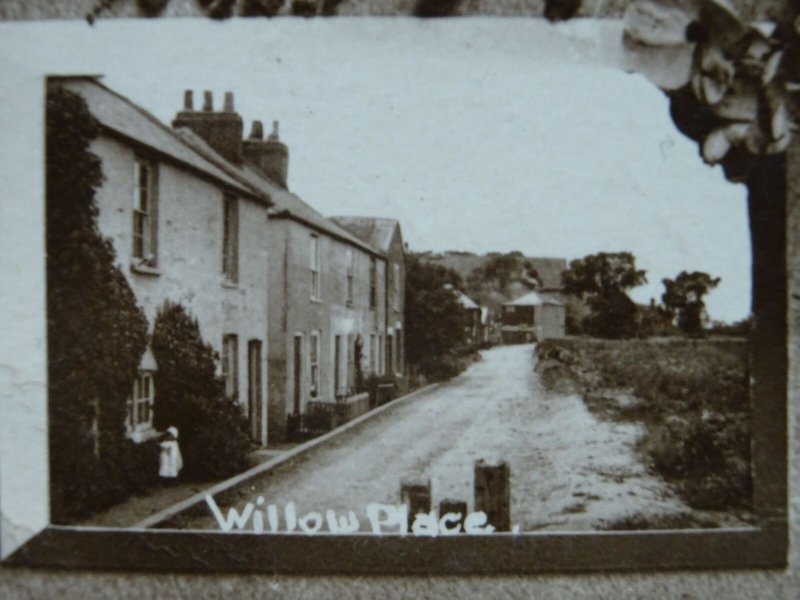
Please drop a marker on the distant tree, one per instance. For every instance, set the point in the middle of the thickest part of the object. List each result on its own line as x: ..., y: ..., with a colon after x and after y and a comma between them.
x: 500, y: 271
x: 652, y: 321
x: 602, y: 280
x: 683, y: 299
x: 435, y: 333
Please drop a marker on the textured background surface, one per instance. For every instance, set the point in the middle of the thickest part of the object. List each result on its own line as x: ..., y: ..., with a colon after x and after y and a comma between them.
x: 23, y: 583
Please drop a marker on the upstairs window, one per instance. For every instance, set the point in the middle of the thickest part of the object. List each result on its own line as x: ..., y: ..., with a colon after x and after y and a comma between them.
x: 145, y: 207
x: 350, y: 257
x: 397, y: 287
x: 316, y: 259
x: 230, y: 239
x: 373, y: 282
x: 230, y: 365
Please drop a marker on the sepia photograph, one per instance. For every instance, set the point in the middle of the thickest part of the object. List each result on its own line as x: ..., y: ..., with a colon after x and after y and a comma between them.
x: 308, y: 282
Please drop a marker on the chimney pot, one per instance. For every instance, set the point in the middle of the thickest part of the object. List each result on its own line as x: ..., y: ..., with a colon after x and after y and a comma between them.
x: 208, y: 101
x: 257, y: 131
x: 188, y: 100
x: 228, y: 106
x: 274, y: 134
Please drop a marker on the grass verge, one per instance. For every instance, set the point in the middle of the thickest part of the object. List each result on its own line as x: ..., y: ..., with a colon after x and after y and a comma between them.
x: 692, y: 396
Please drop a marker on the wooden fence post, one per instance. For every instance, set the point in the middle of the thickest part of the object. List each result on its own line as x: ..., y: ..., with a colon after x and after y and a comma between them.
x: 453, y: 506
x: 417, y: 495
x: 493, y: 493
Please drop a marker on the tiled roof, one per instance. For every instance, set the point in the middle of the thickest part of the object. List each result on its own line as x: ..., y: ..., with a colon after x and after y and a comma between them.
x: 118, y: 114
x: 550, y: 270
x: 285, y: 203
x: 376, y: 231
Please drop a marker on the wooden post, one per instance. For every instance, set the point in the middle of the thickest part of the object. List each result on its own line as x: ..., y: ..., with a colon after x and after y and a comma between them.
x: 417, y: 495
x: 493, y: 493
x: 453, y: 506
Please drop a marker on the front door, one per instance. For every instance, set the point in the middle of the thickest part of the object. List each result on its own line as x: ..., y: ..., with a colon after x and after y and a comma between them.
x: 390, y: 355
x: 254, y: 389
x: 298, y: 373
x: 337, y: 361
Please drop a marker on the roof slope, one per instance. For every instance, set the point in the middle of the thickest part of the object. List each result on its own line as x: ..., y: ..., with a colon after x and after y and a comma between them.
x: 376, y: 231
x: 285, y: 203
x: 120, y: 115
x: 534, y: 299
x: 549, y: 271
x: 466, y: 301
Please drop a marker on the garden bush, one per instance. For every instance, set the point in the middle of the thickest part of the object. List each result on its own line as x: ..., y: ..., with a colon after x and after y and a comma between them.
x: 212, y: 428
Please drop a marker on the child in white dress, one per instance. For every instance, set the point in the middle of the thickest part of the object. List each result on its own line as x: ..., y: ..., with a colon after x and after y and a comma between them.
x: 171, y: 461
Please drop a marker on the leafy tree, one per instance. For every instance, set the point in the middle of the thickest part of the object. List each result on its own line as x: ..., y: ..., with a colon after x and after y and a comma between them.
x: 500, y: 271
x: 434, y: 319
x: 96, y: 331
x: 683, y: 298
x: 602, y: 280
x: 213, y: 431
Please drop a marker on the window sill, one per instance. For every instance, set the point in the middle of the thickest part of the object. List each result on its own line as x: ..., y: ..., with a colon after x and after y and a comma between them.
x: 145, y: 270
x: 231, y: 285
x: 142, y: 435
x: 317, y: 300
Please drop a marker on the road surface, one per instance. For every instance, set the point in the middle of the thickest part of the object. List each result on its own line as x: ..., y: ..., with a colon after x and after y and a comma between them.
x: 569, y: 471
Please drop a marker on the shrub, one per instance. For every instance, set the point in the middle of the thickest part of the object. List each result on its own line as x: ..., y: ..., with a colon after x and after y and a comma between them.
x: 213, y: 431
x: 96, y: 332
x: 141, y: 464
x: 435, y: 337
x: 218, y: 444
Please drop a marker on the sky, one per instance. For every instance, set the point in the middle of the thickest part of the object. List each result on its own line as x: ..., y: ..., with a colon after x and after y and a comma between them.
x: 478, y: 134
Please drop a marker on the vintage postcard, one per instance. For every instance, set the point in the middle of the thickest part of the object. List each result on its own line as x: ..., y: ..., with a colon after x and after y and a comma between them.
x: 397, y: 295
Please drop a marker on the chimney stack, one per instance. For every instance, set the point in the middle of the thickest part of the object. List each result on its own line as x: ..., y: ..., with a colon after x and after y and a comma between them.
x: 270, y: 156
x: 257, y: 131
x: 221, y: 130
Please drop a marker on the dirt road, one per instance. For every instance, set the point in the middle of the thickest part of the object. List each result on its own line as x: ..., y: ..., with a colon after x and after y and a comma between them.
x: 569, y: 471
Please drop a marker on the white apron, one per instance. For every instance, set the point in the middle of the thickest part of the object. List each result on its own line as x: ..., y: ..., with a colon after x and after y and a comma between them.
x: 171, y: 460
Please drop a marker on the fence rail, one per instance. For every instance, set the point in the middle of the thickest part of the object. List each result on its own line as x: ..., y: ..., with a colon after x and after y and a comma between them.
x: 321, y: 417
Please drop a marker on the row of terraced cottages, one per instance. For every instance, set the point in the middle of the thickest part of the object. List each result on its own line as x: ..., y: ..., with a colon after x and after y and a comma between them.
x: 301, y: 308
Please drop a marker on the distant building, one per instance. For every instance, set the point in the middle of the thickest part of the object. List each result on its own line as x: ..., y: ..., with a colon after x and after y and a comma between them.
x: 474, y: 316
x: 385, y: 236
x: 534, y: 317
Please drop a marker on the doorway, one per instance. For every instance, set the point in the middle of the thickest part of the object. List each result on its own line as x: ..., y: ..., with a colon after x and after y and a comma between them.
x: 298, y: 372
x: 254, y: 389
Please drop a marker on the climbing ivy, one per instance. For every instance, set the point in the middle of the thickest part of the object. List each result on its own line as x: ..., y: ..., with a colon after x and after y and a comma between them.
x: 96, y: 332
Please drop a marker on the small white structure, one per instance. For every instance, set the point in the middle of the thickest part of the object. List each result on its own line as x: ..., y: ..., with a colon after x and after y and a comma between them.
x: 533, y: 317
